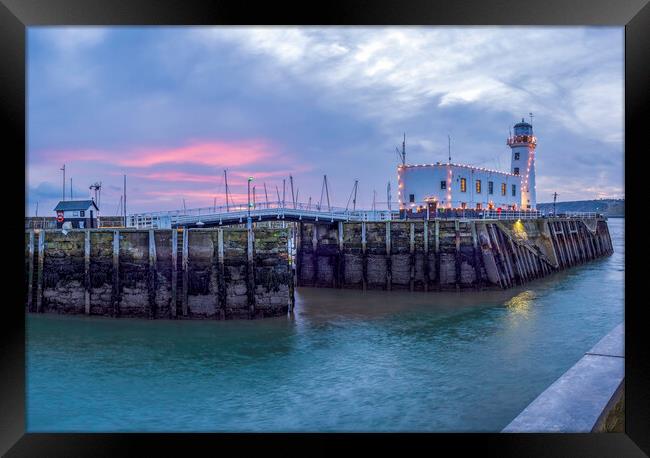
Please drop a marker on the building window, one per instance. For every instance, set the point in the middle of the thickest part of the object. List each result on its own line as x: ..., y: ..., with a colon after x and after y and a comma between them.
x: 516, y: 170
x: 463, y: 205
x: 503, y: 189
x: 516, y: 156
x: 411, y: 197
x: 490, y: 187
x: 75, y: 213
x: 82, y: 213
x: 443, y: 184
x: 478, y: 186
x: 514, y: 189
x: 463, y: 185
x: 478, y: 206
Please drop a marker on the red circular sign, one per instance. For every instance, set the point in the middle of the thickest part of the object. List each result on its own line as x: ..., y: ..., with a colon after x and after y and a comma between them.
x: 59, y: 217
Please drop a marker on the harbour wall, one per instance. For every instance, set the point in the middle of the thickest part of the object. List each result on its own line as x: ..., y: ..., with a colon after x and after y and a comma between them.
x: 158, y: 274
x: 444, y: 254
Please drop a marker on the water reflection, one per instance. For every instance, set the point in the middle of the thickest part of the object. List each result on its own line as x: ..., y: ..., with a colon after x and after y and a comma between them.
x: 520, y: 305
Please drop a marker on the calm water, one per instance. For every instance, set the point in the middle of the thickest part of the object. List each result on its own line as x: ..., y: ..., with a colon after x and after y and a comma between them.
x: 346, y: 361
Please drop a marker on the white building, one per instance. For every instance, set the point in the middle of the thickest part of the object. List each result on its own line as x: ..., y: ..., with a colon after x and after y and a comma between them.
x: 459, y: 186
x: 81, y: 213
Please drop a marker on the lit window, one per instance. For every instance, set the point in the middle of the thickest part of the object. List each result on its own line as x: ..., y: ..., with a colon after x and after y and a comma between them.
x: 411, y: 197
x: 490, y: 187
x: 478, y: 186
x: 514, y: 190
x: 516, y: 156
x: 516, y: 170
x: 478, y: 206
x: 503, y: 189
x: 463, y: 185
x: 443, y: 184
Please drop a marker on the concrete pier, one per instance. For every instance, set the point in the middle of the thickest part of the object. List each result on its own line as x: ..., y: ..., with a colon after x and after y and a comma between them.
x: 224, y: 273
x: 467, y: 254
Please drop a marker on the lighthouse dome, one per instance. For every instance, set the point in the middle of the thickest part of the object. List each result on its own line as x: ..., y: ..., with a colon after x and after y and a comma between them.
x: 523, y: 128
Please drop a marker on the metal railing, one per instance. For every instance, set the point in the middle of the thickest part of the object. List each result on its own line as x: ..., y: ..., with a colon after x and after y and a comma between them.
x: 311, y: 211
x: 257, y: 211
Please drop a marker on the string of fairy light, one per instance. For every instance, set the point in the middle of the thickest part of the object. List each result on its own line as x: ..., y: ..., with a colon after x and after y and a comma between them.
x: 529, y: 140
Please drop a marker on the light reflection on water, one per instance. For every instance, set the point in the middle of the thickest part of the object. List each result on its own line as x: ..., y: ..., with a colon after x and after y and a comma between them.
x: 345, y: 361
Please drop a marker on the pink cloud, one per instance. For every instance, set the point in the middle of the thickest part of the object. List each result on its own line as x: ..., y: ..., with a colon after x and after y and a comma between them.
x: 210, y: 153
x: 223, y: 154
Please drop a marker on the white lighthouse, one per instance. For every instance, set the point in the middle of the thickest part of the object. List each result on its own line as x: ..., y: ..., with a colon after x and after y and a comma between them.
x: 523, y: 144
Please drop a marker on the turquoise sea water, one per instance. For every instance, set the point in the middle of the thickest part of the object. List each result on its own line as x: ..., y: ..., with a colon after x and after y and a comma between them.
x: 346, y: 360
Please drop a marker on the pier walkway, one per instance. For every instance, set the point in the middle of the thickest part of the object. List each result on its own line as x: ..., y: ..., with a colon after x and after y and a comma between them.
x: 307, y: 212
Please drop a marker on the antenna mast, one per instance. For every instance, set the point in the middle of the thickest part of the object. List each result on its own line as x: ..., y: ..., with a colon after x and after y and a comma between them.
x: 402, y: 154
x: 266, y: 195
x: 353, y: 193
x: 388, y: 196
x: 70, y: 188
x: 293, y: 197
x: 449, y: 146
x: 225, y: 178
x: 63, y: 168
x: 125, y: 200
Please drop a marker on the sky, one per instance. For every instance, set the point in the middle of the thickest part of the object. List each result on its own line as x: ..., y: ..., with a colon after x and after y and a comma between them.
x: 172, y: 107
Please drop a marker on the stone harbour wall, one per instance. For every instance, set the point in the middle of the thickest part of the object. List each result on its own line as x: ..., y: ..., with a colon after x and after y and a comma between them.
x: 158, y: 274
x: 444, y: 254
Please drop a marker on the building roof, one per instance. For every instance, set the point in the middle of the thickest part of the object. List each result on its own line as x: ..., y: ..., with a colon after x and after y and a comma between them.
x: 68, y: 205
x: 523, y: 124
x: 447, y: 164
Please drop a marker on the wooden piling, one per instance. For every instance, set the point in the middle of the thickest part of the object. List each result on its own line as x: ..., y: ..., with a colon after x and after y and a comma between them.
x: 506, y: 254
x: 340, y: 261
x: 477, y: 256
x: 115, y: 293
x: 457, y: 259
x: 389, y: 267
x: 153, y: 274
x: 173, y: 307
x: 30, y: 272
x: 436, y: 241
x: 520, y: 270
x: 40, y: 280
x: 492, y: 250
x: 499, y: 256
x: 250, y: 273
x: 425, y: 257
x: 299, y: 254
x: 87, y: 284
x: 184, y: 269
x: 364, y: 257
x: 314, y: 255
x: 221, y: 281
x: 412, y: 256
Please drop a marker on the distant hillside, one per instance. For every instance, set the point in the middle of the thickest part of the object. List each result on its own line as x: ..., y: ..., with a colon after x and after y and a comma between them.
x: 614, y: 208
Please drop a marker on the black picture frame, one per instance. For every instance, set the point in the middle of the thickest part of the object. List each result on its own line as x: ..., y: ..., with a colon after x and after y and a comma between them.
x: 16, y: 15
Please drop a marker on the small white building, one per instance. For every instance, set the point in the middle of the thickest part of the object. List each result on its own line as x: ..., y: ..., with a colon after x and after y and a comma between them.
x: 459, y: 186
x: 82, y: 214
